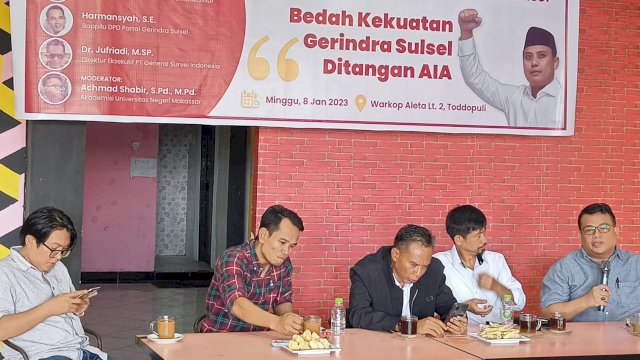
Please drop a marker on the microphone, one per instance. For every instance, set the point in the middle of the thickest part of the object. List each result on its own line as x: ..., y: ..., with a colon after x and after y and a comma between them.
x: 605, y: 268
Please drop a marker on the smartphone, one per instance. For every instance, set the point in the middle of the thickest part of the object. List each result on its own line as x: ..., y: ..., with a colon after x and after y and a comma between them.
x: 92, y: 292
x: 279, y: 343
x: 456, y: 310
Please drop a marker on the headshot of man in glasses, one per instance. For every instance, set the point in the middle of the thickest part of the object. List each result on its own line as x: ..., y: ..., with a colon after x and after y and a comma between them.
x: 575, y: 285
x: 54, y: 88
x: 55, y: 54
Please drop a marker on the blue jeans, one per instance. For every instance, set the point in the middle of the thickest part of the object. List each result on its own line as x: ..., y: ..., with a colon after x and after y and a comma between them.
x: 86, y: 355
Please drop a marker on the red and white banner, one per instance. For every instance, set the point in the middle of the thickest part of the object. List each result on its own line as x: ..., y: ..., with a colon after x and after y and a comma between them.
x: 306, y: 63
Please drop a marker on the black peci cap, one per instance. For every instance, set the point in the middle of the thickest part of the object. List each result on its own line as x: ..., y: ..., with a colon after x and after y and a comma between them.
x: 538, y: 36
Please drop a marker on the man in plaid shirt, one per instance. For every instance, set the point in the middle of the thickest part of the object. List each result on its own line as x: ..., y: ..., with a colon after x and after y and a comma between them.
x: 251, y: 285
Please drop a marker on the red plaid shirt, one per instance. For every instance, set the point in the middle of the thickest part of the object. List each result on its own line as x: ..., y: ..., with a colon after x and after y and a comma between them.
x: 237, y: 274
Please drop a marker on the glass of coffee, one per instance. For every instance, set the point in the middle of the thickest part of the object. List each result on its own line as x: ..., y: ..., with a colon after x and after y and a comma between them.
x: 312, y: 323
x: 633, y: 322
x: 409, y: 326
x: 529, y: 324
x: 166, y: 327
x: 557, y: 323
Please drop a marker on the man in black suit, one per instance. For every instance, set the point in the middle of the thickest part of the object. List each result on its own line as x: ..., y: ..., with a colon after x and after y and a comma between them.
x: 399, y: 280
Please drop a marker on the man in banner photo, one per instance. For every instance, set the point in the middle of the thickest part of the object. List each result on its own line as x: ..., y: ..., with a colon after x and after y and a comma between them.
x: 535, y: 105
x: 54, y: 88
x: 56, y: 21
x: 55, y: 56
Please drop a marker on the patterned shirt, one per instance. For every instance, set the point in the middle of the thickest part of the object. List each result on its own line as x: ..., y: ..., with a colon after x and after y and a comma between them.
x: 237, y: 274
x: 575, y: 274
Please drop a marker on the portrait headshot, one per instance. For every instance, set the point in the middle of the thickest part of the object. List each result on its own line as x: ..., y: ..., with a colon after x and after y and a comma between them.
x: 54, y: 88
x: 56, y: 20
x: 538, y: 103
x: 55, y: 54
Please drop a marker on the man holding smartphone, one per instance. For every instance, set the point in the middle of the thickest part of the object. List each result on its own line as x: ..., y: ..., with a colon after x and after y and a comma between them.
x: 400, y: 280
x: 39, y: 307
x: 476, y: 276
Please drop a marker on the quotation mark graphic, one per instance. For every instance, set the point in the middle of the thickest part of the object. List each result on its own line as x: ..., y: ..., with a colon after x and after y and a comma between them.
x: 259, y: 67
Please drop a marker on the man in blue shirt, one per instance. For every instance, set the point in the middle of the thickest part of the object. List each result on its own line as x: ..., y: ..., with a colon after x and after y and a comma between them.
x: 572, y: 286
x: 39, y: 307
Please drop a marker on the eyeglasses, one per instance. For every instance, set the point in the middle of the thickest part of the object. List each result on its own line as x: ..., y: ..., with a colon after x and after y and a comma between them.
x: 56, y: 56
x: 54, y: 253
x: 57, y: 87
x: 591, y: 230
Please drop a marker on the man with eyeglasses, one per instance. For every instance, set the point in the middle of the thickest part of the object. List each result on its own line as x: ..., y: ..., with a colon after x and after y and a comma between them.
x: 39, y: 306
x: 55, y: 56
x: 572, y: 286
x: 53, y: 88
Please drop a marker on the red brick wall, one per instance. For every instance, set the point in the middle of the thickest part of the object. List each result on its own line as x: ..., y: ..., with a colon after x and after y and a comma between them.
x: 354, y: 189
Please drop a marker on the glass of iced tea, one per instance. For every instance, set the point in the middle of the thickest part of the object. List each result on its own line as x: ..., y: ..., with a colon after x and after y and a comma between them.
x: 409, y: 326
x: 312, y: 323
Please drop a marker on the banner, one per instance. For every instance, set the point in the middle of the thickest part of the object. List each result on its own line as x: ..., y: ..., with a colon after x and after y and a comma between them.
x: 496, y: 66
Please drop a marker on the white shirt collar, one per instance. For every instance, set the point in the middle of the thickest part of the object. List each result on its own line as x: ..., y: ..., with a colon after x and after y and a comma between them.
x: 406, y: 295
x: 455, y: 259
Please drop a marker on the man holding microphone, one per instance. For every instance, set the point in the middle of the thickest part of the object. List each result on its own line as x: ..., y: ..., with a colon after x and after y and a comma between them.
x: 580, y: 288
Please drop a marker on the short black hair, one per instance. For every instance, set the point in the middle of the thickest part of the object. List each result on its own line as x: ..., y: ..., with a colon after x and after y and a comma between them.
x: 56, y: 76
x: 44, y: 221
x: 54, y: 7
x: 55, y: 42
x: 413, y: 233
x: 273, y: 216
x: 465, y: 219
x: 597, y: 208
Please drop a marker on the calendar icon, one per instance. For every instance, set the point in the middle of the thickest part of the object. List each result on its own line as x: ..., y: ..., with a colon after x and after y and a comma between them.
x: 249, y: 100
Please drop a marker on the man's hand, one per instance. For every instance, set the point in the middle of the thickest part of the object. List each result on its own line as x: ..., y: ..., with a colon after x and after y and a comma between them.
x: 486, y: 282
x: 476, y: 306
x: 288, y: 324
x: 468, y: 20
x: 83, y: 306
x: 458, y: 325
x: 67, y: 303
x: 598, y: 296
x: 431, y: 326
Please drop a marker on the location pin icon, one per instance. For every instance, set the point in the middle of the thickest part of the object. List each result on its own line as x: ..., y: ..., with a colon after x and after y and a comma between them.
x: 361, y: 102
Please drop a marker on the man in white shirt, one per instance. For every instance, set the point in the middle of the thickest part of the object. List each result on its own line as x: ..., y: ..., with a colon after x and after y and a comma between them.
x: 540, y: 104
x: 476, y: 276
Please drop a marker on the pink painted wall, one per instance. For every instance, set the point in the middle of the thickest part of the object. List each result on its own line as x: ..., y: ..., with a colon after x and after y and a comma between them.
x: 119, y: 215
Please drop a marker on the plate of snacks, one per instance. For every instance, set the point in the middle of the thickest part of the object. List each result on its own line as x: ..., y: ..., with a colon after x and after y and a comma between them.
x: 307, y: 344
x: 499, y: 334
